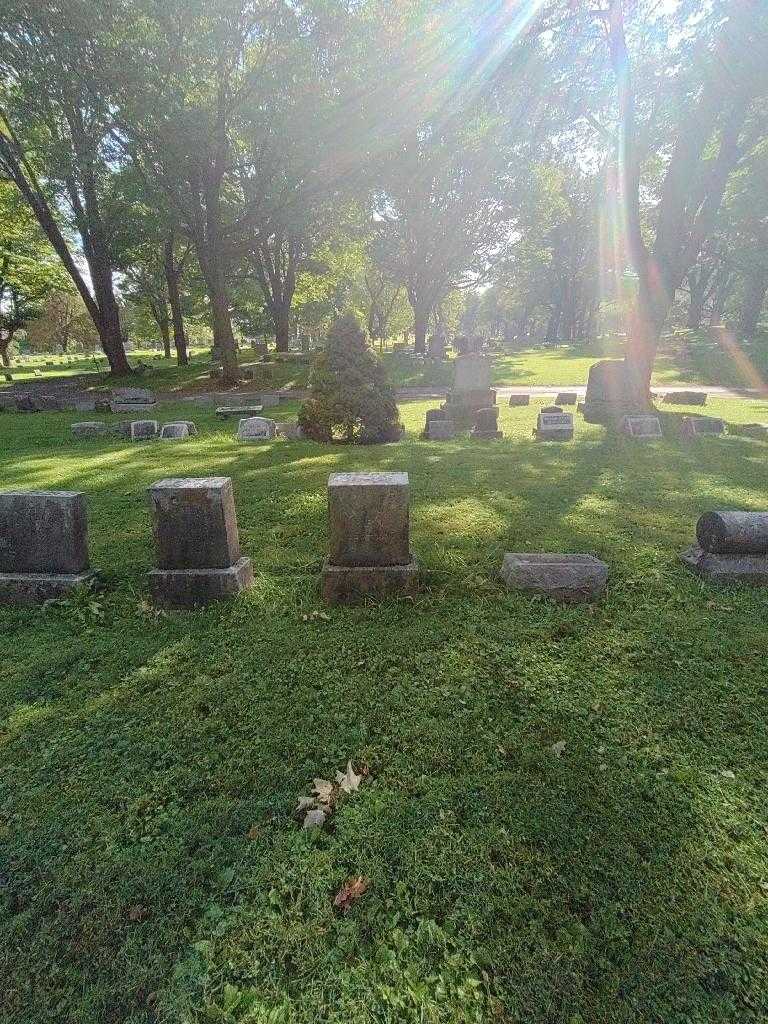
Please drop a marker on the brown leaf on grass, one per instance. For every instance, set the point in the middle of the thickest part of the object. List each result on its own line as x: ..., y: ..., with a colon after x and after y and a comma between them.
x: 138, y: 913
x: 323, y: 789
x: 352, y: 890
x: 347, y: 780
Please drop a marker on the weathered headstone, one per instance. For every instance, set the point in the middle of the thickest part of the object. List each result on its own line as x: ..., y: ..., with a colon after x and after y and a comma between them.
x: 255, y: 429
x: 701, y: 426
x: 197, y: 544
x: 177, y: 431
x: 471, y: 387
x: 554, y: 426
x: 610, y: 393
x: 641, y: 427
x: 486, y: 426
x: 144, y: 430
x: 290, y: 430
x: 440, y: 430
x: 225, y: 412
x: 685, y: 398
x: 732, y: 548
x: 43, y: 545
x: 132, y: 400
x: 570, y: 578
x: 87, y: 430
x: 567, y: 398
x: 519, y: 400
x: 369, y: 538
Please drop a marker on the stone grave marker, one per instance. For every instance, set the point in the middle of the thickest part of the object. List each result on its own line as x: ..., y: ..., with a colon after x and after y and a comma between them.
x: 700, y: 426
x: 290, y: 430
x: 567, y: 398
x: 685, y: 398
x: 554, y: 425
x: 519, y: 400
x: 197, y: 544
x: 732, y: 547
x: 440, y: 430
x: 575, y: 579
x: 144, y: 430
x: 641, y: 427
x: 89, y: 429
x: 369, y: 535
x: 177, y: 431
x: 43, y: 545
x: 132, y: 400
x: 255, y: 429
x: 486, y: 426
x: 757, y: 431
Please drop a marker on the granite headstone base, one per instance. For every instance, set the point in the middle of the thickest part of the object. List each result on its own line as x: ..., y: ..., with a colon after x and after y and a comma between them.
x: 345, y: 584
x: 571, y: 578
x: 727, y: 569
x: 190, y: 588
x: 38, y: 587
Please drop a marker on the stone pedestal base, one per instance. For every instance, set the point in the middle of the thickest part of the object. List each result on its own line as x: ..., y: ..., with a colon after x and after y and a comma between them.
x: 38, y: 587
x: 576, y: 579
x: 486, y: 435
x: 727, y: 569
x: 343, y: 584
x: 188, y: 588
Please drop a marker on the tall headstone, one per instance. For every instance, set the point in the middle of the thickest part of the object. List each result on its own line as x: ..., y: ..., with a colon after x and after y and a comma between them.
x: 197, y: 543
x: 610, y: 393
x: 471, y: 387
x: 43, y: 545
x: 369, y: 555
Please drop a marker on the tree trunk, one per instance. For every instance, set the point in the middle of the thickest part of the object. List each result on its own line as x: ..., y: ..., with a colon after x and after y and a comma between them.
x: 221, y: 319
x: 754, y: 296
x: 5, y: 359
x: 722, y: 292
x: 282, y: 318
x: 165, y: 331
x: 174, y: 301
x: 420, y: 322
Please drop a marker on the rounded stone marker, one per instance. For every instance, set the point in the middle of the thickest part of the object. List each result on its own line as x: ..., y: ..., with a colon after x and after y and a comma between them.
x: 733, y: 533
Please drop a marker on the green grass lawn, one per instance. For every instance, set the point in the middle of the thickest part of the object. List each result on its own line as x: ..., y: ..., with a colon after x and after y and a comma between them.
x: 151, y: 868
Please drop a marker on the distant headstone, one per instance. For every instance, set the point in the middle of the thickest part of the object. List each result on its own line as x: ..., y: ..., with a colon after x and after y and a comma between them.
x: 369, y: 537
x: 567, y: 398
x: 486, y: 426
x: 440, y: 430
x: 197, y: 544
x: 641, y: 427
x: 256, y: 428
x: 132, y: 400
x: 701, y: 426
x: 177, y: 431
x: 564, y: 577
x: 43, y: 545
x: 290, y: 430
x: 685, y: 398
x: 144, y: 430
x: 226, y: 411
x: 87, y: 430
x: 519, y: 400
x: 554, y: 426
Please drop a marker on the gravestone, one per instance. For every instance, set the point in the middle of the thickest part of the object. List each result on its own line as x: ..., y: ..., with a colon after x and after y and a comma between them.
x: 144, y: 430
x: 197, y: 544
x: 757, y: 431
x: 132, y: 400
x: 440, y: 430
x: 225, y: 412
x: 369, y: 543
x: 610, y: 394
x: 255, y: 429
x: 567, y: 398
x: 575, y: 579
x: 641, y: 427
x: 84, y: 431
x: 701, y: 426
x: 519, y: 400
x: 553, y: 424
x: 685, y: 398
x: 732, y: 547
x: 471, y: 388
x: 290, y: 430
x: 486, y: 426
x: 43, y: 545
x: 177, y: 431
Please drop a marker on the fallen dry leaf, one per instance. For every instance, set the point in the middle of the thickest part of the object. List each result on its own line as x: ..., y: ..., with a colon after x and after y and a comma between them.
x: 315, y: 818
x: 347, y: 780
x: 324, y: 790
x: 558, y: 748
x: 350, y: 892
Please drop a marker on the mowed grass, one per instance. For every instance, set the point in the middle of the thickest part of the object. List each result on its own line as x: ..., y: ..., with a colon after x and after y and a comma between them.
x: 564, y: 817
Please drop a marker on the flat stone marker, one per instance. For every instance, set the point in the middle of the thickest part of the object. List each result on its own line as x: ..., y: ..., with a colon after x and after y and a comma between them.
x: 566, y: 398
x: 701, y: 426
x: 727, y: 569
x: 554, y: 426
x: 369, y: 552
x: 144, y: 430
x: 685, y: 398
x: 255, y: 429
x: 132, y: 400
x: 43, y: 545
x: 575, y: 579
x: 197, y: 544
x: 180, y: 431
x: 225, y: 412
x: 519, y: 400
x: 87, y: 430
x: 440, y: 430
x: 641, y: 427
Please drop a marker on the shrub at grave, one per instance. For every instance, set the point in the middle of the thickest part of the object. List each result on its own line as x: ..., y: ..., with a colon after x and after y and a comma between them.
x: 350, y: 397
